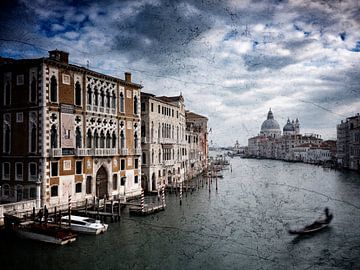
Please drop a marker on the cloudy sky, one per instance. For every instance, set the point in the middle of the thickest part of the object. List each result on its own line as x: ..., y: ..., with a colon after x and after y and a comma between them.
x: 231, y: 60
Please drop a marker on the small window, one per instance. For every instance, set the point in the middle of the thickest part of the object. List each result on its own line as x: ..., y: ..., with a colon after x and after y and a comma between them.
x: 19, y: 117
x: 54, y: 191
x: 32, y: 172
x: 115, y: 182
x: 136, y: 179
x: 54, y: 168
x: 66, y: 79
x: 152, y: 107
x: 18, y: 171
x: 136, y: 163
x: 79, y: 167
x: 6, y: 171
x: 158, y: 108
x: 122, y: 182
x: 20, y: 79
x: 122, y: 164
x: 78, y: 187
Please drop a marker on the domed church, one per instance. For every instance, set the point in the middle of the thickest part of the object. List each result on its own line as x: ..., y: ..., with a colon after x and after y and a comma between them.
x: 291, y: 127
x: 270, y: 127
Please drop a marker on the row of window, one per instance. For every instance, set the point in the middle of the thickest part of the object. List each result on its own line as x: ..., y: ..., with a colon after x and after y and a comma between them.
x: 54, y: 167
x: 161, y: 110
x: 19, y: 171
x: 54, y: 190
x: 21, y: 192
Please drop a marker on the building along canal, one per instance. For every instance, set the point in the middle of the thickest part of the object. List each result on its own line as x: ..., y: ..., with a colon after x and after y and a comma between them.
x: 243, y: 225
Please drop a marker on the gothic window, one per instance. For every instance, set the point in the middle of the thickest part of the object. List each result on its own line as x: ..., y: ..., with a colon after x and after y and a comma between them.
x: 53, y: 89
x: 78, y: 137
x: 102, y: 98
x: 135, y: 105
x: 108, y: 140
x: 89, y: 139
x: 89, y: 95
x: 152, y: 157
x: 53, y: 136
x: 113, y: 101
x: 159, y: 131
x: 121, y: 102
x: 152, y: 132
x: 96, y: 98
x: 114, y: 140
x: 122, y: 139
x: 33, y: 90
x: 7, y: 99
x: 102, y: 139
x: 96, y: 139
x: 77, y: 94
x: 33, y: 138
x: 108, y: 99
x: 88, y: 184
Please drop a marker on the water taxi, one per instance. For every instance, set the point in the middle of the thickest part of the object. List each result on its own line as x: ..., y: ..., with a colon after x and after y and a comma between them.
x: 84, y: 224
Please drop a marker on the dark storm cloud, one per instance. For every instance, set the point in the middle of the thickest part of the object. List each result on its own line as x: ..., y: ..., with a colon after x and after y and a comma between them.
x: 255, y: 62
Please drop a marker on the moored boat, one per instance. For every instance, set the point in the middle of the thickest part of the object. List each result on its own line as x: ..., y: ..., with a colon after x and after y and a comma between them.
x: 49, y: 233
x: 84, y: 224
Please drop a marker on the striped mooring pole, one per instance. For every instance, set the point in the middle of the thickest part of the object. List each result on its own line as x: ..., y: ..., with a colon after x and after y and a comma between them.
x: 181, y: 193
x: 142, y: 202
x: 69, y: 210
x: 163, y: 195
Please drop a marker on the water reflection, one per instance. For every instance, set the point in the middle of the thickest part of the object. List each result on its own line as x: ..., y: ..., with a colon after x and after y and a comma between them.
x: 243, y: 225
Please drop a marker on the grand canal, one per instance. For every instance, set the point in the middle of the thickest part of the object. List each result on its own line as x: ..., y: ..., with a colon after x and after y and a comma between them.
x: 243, y: 225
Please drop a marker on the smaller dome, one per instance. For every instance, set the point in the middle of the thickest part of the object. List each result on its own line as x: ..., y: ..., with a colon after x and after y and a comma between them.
x: 288, y: 126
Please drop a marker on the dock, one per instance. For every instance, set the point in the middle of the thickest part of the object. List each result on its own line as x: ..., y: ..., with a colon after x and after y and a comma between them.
x: 147, y: 210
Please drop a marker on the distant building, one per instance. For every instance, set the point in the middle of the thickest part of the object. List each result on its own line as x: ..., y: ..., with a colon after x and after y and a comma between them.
x: 271, y: 144
x: 348, y: 143
x: 69, y: 133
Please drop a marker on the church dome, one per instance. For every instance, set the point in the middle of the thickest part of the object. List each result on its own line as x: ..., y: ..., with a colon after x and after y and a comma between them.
x: 289, y: 126
x: 270, y: 123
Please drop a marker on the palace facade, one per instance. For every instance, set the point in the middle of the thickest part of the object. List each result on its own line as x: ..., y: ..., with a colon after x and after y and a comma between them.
x: 68, y: 132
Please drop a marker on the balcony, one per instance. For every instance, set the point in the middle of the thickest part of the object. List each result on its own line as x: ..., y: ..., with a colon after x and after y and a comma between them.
x: 123, y: 151
x: 137, y: 151
x: 104, y: 152
x: 169, y: 162
x: 55, y: 152
x: 81, y: 152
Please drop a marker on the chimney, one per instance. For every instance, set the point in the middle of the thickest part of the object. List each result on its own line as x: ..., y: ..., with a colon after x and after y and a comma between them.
x: 127, y: 76
x: 59, y: 56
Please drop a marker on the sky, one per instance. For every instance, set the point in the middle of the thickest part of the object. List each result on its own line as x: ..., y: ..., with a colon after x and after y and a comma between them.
x: 231, y: 60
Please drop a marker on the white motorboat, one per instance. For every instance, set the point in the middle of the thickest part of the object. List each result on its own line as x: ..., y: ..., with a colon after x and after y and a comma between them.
x: 84, y: 224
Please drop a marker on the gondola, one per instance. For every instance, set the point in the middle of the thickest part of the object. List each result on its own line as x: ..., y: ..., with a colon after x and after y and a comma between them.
x: 316, y: 226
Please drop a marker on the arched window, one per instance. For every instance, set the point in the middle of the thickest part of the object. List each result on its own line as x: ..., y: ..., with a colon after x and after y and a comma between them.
x: 114, y: 140
x: 96, y: 96
x: 78, y: 137
x: 53, y: 89
x: 33, y: 90
x: 7, y: 93
x: 122, y: 140
x: 159, y: 131
x: 113, y: 101
x: 77, y: 94
x: 89, y: 95
x: 89, y: 139
x: 152, y: 132
x: 102, y: 139
x: 159, y: 156
x: 96, y: 139
x: 135, y: 105
x: 33, y: 138
x: 102, y: 98
x: 108, y: 101
x: 152, y: 157
x: 136, y: 140
x: 53, y: 136
x: 143, y: 158
x: 7, y: 138
x: 177, y: 133
x: 121, y: 102
x: 108, y: 140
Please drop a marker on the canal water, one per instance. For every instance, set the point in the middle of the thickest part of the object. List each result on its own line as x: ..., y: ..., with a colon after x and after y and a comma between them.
x: 243, y: 225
